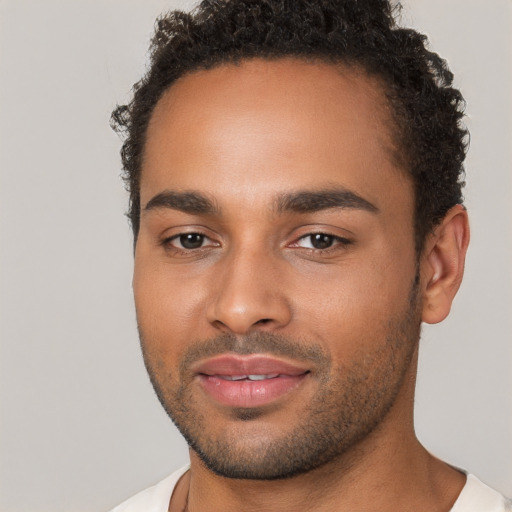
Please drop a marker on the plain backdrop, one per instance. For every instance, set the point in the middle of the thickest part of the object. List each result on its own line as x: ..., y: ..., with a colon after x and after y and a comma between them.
x: 80, y: 427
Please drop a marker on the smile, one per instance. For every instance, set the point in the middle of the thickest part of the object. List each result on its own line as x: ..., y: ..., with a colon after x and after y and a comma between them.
x: 248, y: 381
x: 248, y: 377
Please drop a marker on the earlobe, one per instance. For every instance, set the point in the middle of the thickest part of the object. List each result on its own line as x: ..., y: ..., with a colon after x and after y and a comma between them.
x: 443, y: 264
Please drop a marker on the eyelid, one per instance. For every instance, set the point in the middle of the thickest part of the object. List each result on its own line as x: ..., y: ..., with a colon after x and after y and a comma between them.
x: 175, y: 238
x: 166, y: 241
x: 341, y: 240
x: 341, y: 235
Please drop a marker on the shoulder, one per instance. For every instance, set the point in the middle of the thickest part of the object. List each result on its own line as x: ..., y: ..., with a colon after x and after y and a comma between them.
x: 478, y: 497
x: 152, y: 499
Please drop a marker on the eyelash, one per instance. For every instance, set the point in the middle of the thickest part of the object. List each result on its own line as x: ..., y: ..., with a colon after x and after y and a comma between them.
x: 167, y: 242
x: 336, y: 243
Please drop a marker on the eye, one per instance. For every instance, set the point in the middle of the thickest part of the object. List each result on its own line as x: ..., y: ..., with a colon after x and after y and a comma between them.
x: 320, y: 241
x: 187, y: 241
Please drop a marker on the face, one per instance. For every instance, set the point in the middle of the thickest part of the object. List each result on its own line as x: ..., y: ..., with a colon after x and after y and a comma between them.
x: 275, y: 272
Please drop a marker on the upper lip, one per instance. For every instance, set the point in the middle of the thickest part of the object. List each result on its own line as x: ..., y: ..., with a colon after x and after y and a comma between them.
x: 256, y: 364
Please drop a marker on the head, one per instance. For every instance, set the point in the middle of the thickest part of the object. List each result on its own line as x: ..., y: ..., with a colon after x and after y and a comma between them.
x: 294, y: 172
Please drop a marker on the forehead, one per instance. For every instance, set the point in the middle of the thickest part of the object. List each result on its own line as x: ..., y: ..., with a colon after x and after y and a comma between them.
x: 282, y: 122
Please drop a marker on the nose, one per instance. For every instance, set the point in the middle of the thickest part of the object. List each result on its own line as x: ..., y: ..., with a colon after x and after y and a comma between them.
x: 250, y: 294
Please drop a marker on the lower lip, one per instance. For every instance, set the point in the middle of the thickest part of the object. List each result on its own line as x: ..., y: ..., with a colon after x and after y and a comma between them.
x: 249, y: 393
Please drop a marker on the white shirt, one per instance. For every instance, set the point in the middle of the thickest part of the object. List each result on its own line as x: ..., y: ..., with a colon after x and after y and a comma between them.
x: 474, y: 497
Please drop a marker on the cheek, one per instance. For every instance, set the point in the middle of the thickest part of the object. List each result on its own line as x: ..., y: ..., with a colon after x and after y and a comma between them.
x: 168, y: 305
x: 350, y: 306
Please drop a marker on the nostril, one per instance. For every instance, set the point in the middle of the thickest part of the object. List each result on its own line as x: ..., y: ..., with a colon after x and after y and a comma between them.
x: 263, y: 321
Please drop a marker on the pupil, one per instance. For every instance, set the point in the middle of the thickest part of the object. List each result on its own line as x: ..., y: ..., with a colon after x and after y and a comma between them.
x: 192, y: 240
x: 321, y: 241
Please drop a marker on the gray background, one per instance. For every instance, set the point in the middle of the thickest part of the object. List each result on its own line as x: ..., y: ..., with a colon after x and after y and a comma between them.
x: 80, y: 427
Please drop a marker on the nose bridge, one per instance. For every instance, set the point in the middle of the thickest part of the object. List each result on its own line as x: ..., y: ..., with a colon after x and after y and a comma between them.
x: 250, y: 291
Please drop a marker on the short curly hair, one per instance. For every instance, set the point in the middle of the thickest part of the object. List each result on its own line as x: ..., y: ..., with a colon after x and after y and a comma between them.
x: 427, y: 109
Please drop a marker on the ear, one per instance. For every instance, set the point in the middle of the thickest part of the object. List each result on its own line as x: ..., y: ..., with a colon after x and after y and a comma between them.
x: 442, y: 264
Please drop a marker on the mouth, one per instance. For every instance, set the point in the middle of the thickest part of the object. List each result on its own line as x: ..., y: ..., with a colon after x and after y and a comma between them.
x: 249, y: 377
x: 249, y: 381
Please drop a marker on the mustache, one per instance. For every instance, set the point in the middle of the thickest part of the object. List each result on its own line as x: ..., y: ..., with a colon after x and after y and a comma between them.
x: 254, y: 343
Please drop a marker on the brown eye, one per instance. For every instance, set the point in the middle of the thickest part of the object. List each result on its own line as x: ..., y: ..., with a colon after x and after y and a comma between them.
x: 191, y: 240
x: 321, y: 240
x: 187, y: 244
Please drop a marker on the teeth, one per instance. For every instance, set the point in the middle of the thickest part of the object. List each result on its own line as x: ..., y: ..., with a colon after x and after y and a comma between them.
x: 250, y: 377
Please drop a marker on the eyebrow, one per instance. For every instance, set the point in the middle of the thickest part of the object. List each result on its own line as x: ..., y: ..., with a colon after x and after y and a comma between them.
x: 305, y: 201
x: 187, y: 202
x: 313, y: 201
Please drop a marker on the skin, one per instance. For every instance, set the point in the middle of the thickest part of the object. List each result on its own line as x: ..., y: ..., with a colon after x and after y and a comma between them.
x: 242, y: 136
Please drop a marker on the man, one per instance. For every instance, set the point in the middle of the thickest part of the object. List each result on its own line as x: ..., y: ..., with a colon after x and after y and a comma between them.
x: 295, y: 173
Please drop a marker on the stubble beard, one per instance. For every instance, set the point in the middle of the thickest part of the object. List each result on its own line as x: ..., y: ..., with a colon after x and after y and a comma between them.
x: 350, y: 403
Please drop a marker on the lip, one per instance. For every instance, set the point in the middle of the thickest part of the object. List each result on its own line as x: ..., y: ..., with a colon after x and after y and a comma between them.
x: 281, y: 377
